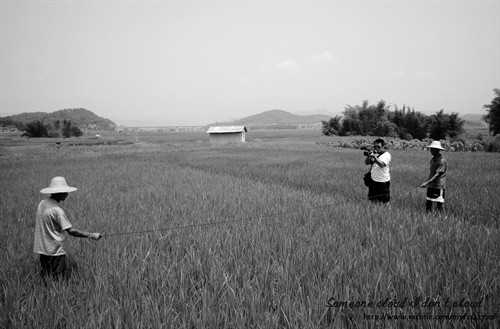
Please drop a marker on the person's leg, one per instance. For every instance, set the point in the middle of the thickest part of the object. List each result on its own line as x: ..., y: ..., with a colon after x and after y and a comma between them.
x: 386, y: 192
x: 44, y: 264
x: 378, y: 192
x: 440, y: 205
x: 434, y: 195
x: 428, y: 206
x: 371, y: 193
x: 54, y: 266
x: 59, y: 267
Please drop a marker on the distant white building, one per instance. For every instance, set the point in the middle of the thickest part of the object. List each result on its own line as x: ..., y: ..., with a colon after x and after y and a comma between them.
x: 227, y: 134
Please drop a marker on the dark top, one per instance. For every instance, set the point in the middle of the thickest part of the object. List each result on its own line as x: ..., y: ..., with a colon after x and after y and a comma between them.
x: 438, y: 164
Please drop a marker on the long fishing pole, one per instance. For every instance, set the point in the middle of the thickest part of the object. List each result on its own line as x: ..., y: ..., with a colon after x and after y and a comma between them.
x: 230, y: 221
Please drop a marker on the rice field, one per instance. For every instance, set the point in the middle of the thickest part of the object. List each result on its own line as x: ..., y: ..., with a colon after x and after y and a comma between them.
x: 273, y: 233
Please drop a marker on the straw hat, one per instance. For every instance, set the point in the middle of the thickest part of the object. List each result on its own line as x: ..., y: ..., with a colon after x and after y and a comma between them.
x: 58, y: 185
x: 436, y: 145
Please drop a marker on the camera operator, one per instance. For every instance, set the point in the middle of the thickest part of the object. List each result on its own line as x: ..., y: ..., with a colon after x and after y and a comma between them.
x: 379, y: 159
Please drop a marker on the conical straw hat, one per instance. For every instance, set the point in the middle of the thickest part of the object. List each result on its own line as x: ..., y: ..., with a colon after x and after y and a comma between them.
x: 58, y: 185
x: 436, y: 145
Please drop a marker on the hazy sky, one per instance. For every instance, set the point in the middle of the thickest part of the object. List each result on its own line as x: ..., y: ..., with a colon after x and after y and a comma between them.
x: 193, y: 63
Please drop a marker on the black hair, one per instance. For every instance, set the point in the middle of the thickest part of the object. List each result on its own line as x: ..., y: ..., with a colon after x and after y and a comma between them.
x: 379, y: 140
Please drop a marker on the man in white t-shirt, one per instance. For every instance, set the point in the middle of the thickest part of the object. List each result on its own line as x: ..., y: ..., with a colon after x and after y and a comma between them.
x: 380, y: 159
x: 51, y: 227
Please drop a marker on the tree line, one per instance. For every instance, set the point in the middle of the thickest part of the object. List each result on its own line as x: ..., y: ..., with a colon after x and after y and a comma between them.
x: 58, y: 129
x: 493, y: 116
x: 405, y: 123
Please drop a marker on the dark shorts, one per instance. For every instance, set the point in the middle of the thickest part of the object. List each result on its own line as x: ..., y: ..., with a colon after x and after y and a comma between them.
x: 379, y: 192
x: 435, y: 194
x: 53, y: 265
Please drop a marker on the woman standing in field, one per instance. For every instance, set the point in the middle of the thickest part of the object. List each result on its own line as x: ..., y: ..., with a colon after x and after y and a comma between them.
x: 379, y: 189
x: 51, y: 227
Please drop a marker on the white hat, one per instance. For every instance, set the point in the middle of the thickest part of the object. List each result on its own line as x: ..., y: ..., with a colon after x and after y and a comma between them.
x: 58, y: 185
x: 436, y: 145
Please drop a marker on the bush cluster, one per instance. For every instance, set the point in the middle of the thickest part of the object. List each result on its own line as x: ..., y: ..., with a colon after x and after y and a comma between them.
x: 455, y: 145
x: 64, y: 129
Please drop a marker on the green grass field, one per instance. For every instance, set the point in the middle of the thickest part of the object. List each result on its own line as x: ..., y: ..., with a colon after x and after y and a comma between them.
x: 295, y: 241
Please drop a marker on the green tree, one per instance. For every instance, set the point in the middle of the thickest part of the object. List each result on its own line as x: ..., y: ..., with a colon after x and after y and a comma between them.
x: 421, y: 126
x: 493, y: 116
x: 455, y: 125
x: 385, y: 128
x: 439, y: 126
x: 6, y: 121
x: 36, y: 129
x: 55, y: 129
x: 350, y: 126
x: 76, y: 132
x: 410, y: 123
x: 364, y: 119
x: 331, y: 127
x: 446, y: 125
x: 66, y: 128
x: 57, y: 125
x: 378, y: 120
x: 69, y: 130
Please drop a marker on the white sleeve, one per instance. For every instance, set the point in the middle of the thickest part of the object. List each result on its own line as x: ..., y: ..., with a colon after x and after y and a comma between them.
x: 385, y: 158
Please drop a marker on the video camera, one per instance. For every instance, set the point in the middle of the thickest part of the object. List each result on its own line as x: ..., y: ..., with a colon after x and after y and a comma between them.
x: 367, y: 151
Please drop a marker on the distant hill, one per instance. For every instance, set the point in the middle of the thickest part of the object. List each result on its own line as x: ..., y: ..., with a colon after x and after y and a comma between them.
x: 79, y: 117
x: 274, y: 118
x: 475, y: 120
x: 319, y: 111
x: 284, y: 119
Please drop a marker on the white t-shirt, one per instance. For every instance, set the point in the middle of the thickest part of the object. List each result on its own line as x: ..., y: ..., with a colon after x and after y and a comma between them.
x: 381, y: 174
x: 51, y: 222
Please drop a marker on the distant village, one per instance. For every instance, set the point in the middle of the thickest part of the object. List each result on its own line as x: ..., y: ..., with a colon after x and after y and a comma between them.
x: 205, y: 128
x: 172, y: 129
x: 268, y: 120
x: 161, y: 129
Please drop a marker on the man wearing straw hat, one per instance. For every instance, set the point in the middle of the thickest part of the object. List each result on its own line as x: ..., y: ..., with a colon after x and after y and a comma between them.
x: 436, y: 184
x: 51, y: 225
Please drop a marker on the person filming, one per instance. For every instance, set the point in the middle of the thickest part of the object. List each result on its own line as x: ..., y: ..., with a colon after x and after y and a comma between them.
x: 379, y: 159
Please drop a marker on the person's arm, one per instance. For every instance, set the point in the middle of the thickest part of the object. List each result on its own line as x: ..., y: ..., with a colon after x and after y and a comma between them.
x: 433, y: 178
x: 368, y: 161
x: 377, y: 161
x: 439, y: 171
x: 81, y: 234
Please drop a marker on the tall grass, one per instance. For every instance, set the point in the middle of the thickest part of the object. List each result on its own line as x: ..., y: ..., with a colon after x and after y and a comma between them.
x: 299, y: 232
